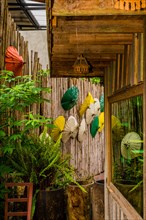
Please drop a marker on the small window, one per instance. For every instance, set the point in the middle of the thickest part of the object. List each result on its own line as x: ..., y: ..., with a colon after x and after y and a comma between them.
x: 127, y: 149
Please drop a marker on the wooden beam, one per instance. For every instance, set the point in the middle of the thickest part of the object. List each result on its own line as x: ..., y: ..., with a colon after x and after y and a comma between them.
x: 65, y: 73
x: 81, y: 49
x: 100, y: 26
x: 91, y: 38
x: 93, y: 57
x: 68, y: 65
x: 92, y: 7
x: 127, y: 92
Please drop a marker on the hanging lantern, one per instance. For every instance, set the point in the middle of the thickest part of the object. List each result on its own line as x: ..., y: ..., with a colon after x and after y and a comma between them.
x: 81, y: 66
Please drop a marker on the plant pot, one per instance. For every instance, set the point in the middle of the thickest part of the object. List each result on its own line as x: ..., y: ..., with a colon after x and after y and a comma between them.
x: 50, y: 205
x: 79, y: 202
x: 135, y: 197
x: 98, y: 200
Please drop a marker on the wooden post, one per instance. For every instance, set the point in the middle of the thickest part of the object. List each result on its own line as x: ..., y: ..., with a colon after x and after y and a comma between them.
x: 144, y: 124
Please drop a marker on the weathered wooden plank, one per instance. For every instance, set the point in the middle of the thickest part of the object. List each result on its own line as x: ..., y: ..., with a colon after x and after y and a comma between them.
x: 141, y: 58
x: 126, y: 64
x: 94, y: 7
x: 117, y: 72
x: 100, y: 26
x: 131, y: 64
x: 136, y: 58
x: 81, y: 49
x: 69, y: 64
x: 92, y: 38
x: 94, y: 57
x: 128, y: 92
x: 63, y: 73
x: 113, y: 76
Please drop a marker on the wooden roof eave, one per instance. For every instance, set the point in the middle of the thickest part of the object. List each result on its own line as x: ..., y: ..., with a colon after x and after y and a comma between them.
x: 99, y: 12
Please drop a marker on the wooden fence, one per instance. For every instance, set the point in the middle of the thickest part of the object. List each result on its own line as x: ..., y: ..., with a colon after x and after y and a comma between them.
x: 87, y: 157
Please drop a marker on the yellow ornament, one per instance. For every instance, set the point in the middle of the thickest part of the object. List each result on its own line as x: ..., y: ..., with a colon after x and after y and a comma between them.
x: 88, y: 100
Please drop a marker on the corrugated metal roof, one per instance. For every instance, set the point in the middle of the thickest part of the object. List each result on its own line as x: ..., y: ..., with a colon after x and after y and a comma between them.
x: 27, y: 14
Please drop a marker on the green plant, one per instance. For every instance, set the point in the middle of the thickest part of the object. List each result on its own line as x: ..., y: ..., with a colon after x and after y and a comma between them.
x: 17, y: 94
x: 95, y: 80
x: 130, y: 171
x: 30, y: 157
x: 40, y: 160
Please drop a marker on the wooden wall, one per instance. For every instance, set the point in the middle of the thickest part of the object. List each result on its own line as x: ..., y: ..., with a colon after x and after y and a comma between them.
x: 127, y: 70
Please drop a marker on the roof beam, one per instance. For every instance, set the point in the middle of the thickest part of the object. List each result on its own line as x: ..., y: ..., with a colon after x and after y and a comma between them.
x: 28, y: 14
x: 25, y: 4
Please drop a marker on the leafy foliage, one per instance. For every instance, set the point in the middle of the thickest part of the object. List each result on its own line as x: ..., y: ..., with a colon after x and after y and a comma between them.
x: 95, y: 80
x: 41, y: 162
x: 17, y: 94
x: 26, y: 156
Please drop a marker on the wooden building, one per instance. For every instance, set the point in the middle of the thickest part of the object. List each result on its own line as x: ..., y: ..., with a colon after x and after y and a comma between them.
x: 111, y: 35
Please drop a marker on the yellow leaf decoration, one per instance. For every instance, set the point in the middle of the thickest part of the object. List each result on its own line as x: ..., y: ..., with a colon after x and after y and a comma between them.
x: 88, y: 100
x: 59, y: 126
x: 116, y: 124
x: 101, y: 122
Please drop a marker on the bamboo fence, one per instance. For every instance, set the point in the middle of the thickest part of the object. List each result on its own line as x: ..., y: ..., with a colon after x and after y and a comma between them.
x: 88, y: 156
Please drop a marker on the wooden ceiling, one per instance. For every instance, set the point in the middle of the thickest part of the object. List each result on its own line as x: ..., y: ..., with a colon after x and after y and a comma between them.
x: 81, y: 27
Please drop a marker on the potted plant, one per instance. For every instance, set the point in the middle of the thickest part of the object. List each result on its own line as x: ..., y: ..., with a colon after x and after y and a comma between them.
x: 40, y: 161
x: 17, y: 94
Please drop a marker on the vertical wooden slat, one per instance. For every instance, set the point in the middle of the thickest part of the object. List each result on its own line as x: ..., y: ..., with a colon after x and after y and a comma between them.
x: 141, y: 58
x: 118, y: 72
x: 144, y: 124
x: 136, y: 58
x: 107, y: 147
x: 126, y: 57
x: 114, y: 75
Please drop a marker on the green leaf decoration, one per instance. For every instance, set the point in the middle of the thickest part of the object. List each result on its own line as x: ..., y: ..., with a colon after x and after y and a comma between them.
x: 94, y: 126
x: 70, y: 98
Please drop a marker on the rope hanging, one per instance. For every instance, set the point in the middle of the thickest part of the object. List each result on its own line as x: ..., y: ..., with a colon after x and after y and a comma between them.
x: 130, y: 4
